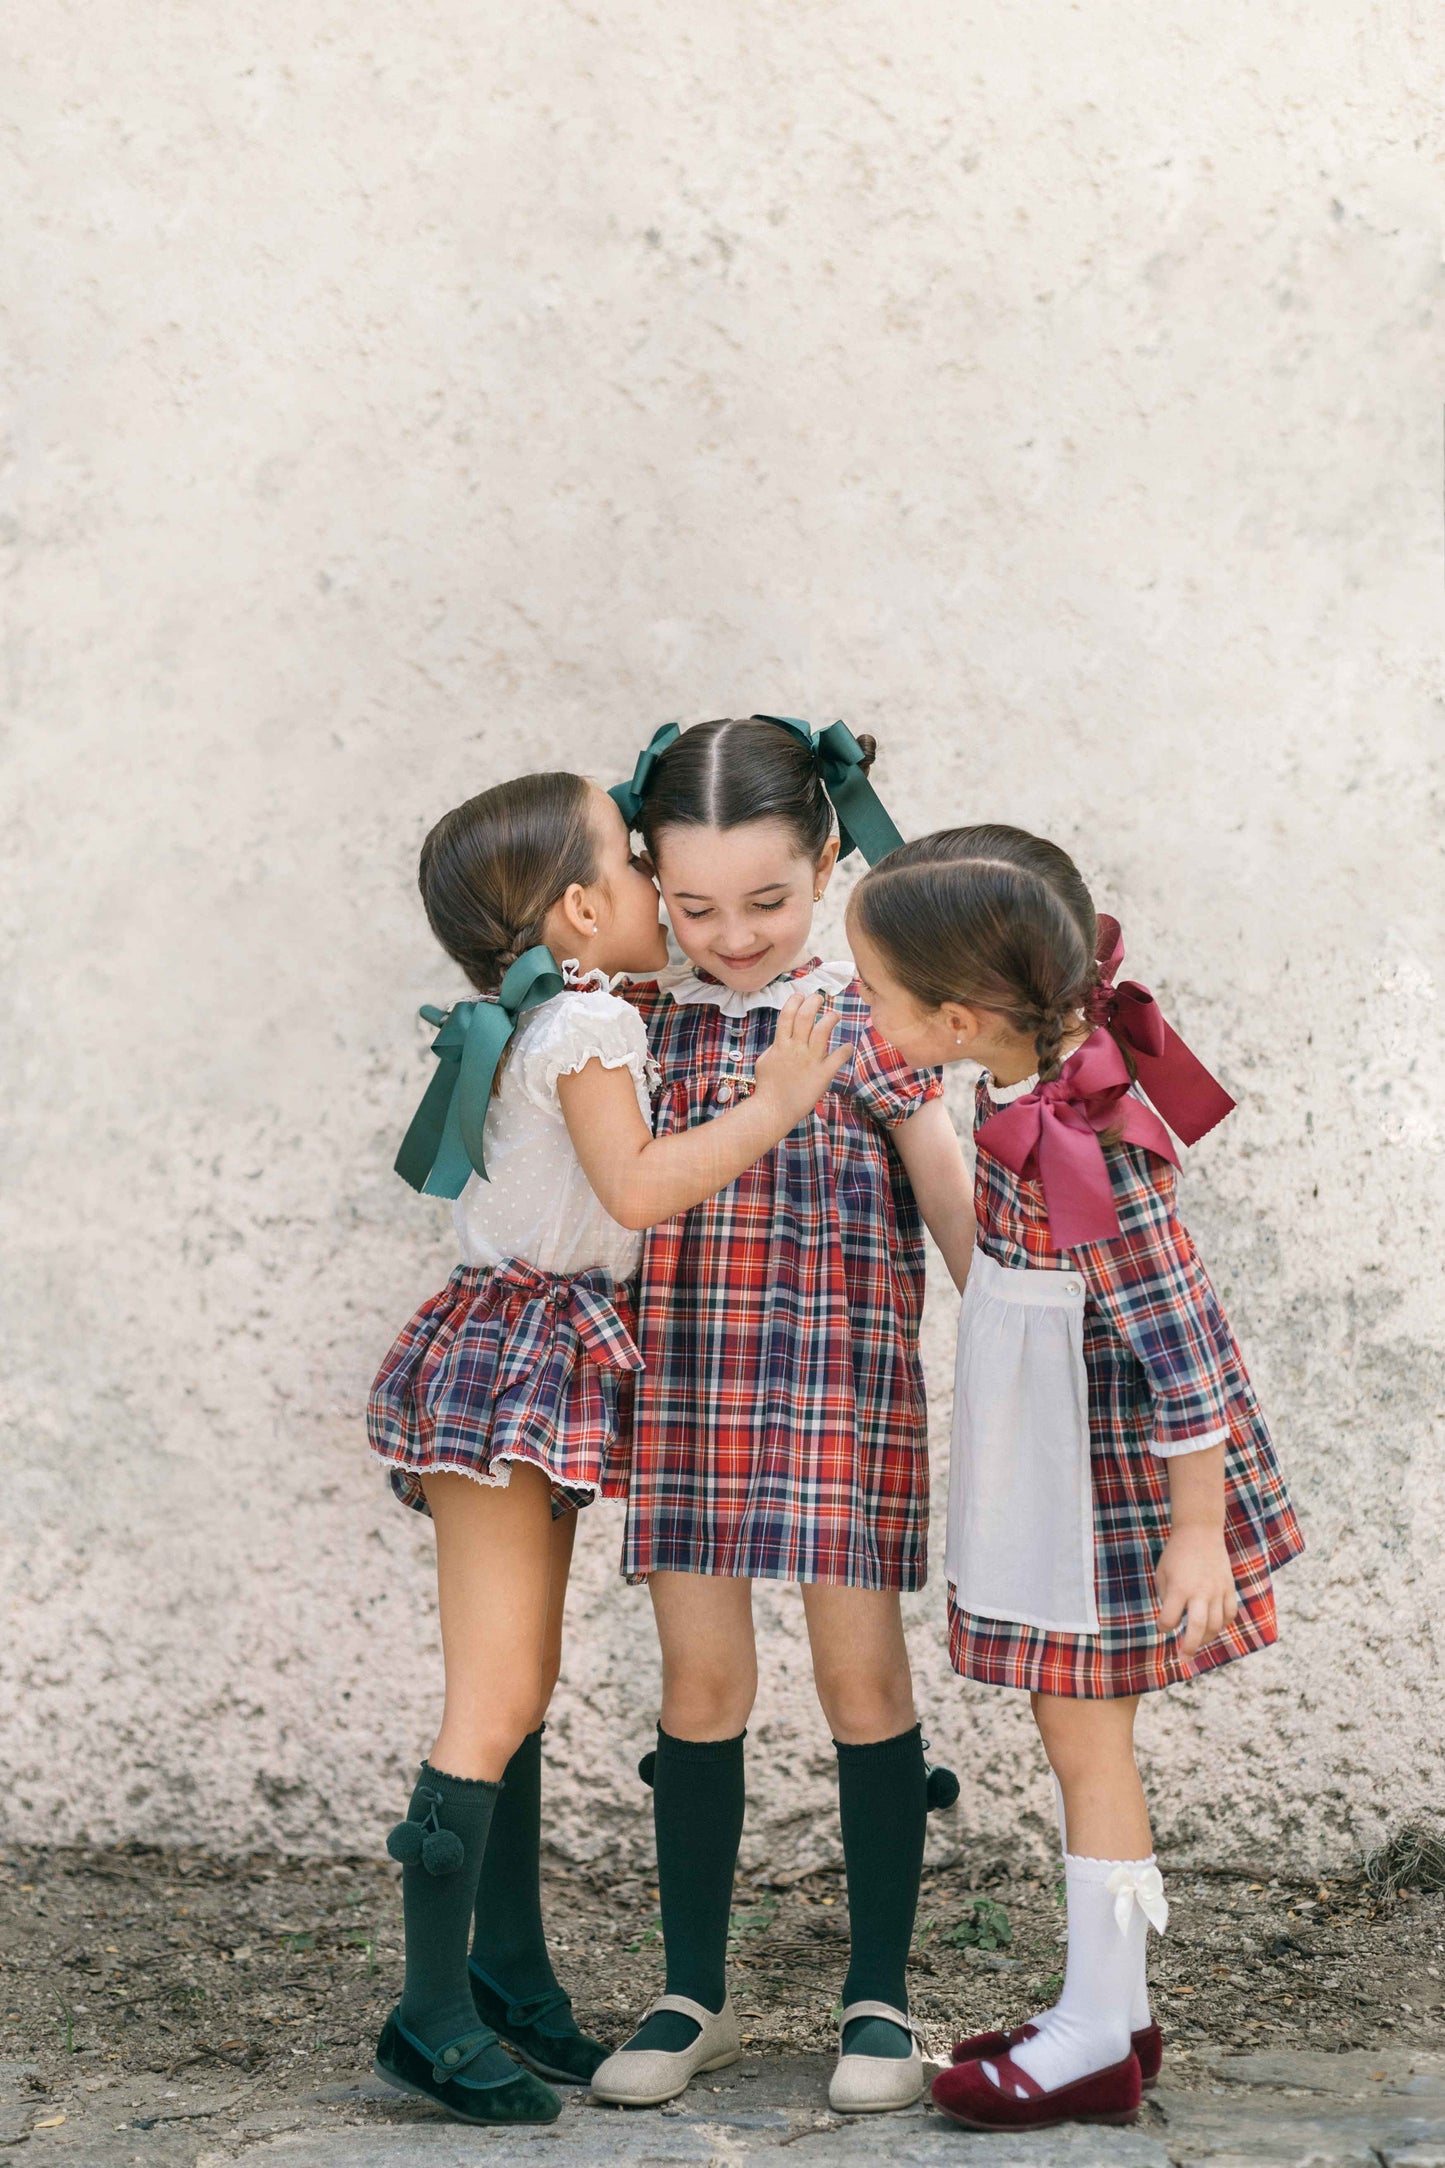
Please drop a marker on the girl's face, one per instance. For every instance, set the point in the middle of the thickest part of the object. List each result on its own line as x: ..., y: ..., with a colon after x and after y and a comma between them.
x: 931, y: 1038
x: 611, y: 925
x: 741, y: 899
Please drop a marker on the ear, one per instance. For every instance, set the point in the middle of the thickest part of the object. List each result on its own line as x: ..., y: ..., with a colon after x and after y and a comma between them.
x: 576, y: 912
x: 962, y: 1024
x: 827, y: 860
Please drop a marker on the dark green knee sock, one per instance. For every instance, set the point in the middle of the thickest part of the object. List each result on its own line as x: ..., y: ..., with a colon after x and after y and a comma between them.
x: 441, y: 1864
x: 698, y: 1796
x: 883, y: 1806
x: 510, y: 1943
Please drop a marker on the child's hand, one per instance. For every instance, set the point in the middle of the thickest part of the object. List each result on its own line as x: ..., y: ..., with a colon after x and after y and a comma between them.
x: 1195, y: 1585
x: 802, y: 1061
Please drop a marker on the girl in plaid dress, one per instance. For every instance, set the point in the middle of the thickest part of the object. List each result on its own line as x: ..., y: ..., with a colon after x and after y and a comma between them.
x: 1116, y: 1510
x: 780, y: 1426
x: 499, y: 1408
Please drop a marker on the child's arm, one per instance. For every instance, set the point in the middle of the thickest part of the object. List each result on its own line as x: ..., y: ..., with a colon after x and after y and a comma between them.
x: 927, y: 1143
x: 1149, y: 1283
x: 1193, y: 1578
x: 642, y: 1179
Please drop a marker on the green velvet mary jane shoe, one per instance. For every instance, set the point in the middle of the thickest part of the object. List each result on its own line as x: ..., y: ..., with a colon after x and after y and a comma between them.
x: 450, y: 2075
x: 540, y: 2031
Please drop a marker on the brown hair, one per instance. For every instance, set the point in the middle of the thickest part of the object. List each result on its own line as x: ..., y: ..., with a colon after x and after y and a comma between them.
x: 990, y: 915
x: 492, y: 869
x: 739, y: 769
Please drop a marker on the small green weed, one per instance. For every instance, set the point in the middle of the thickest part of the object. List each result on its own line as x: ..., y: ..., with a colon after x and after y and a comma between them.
x: 985, y: 1927
x: 651, y: 1933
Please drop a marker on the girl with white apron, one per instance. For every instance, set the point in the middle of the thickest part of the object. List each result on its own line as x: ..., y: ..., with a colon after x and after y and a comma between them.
x: 1116, y: 1510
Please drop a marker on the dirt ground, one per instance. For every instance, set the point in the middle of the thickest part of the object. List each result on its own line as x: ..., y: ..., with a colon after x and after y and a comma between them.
x: 118, y: 1965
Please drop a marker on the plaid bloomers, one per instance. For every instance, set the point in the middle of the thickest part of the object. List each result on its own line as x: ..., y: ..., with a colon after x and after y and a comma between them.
x: 780, y: 1430
x: 510, y: 1364
x: 1163, y: 1369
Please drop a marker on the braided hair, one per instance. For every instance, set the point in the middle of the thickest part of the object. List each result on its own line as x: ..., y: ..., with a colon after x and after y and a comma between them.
x: 492, y: 869
x: 988, y: 915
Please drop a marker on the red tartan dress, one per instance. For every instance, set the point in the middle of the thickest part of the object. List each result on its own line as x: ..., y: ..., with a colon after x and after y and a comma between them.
x: 780, y: 1428
x: 1163, y: 1369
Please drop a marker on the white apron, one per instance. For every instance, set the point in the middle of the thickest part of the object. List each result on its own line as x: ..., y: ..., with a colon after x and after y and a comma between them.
x: 1020, y: 1500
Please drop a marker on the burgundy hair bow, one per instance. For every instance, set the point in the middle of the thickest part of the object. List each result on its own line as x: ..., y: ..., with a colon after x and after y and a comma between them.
x: 1052, y: 1135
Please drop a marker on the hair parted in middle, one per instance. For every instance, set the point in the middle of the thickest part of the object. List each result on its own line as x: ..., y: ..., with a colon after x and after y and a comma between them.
x: 991, y: 916
x: 736, y: 770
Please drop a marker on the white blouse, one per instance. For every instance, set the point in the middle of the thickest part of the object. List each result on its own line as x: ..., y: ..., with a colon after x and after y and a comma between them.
x: 538, y: 1204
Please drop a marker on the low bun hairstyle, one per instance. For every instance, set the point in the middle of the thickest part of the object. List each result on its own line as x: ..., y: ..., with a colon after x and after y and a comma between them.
x: 739, y: 769
x: 492, y: 869
x: 987, y: 915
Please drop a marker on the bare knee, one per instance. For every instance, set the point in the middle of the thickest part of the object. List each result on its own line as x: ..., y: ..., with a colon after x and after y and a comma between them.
x: 1080, y: 1735
x: 863, y: 1705
x: 702, y: 1700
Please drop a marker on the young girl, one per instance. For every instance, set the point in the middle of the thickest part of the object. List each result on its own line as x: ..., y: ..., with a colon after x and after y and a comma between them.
x: 780, y: 1426
x: 1115, y: 1509
x: 499, y: 1407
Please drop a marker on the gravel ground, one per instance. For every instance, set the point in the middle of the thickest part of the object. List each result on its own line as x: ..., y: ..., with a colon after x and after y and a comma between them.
x: 135, y: 1971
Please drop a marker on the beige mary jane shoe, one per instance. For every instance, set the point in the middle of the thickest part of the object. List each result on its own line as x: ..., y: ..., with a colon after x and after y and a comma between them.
x: 872, y: 2084
x: 646, y: 2077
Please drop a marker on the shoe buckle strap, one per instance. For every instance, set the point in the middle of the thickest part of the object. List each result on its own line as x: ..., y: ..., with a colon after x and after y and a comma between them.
x: 534, y: 2008
x: 455, y: 2056
x: 1006, y: 2077
x: 686, y: 2007
x: 867, y: 2008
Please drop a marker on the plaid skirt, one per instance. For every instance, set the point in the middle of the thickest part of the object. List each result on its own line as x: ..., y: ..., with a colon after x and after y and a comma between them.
x: 511, y: 1364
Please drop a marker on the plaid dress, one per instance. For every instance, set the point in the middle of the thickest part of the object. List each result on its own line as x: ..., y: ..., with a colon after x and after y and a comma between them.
x: 780, y: 1430
x: 1163, y: 1368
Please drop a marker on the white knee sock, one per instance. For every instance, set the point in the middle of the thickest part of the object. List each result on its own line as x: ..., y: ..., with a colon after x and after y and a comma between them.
x: 1111, y: 1903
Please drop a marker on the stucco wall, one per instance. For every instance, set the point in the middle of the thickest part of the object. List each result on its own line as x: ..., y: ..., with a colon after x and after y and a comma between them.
x: 404, y: 396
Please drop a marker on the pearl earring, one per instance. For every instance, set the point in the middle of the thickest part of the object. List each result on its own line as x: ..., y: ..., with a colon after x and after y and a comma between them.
x: 817, y: 895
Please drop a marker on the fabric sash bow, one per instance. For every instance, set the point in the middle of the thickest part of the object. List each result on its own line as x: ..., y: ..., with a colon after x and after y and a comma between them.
x: 1191, y: 1101
x: 443, y: 1145
x: 863, y: 825
x: 586, y: 1300
x: 1144, y: 1888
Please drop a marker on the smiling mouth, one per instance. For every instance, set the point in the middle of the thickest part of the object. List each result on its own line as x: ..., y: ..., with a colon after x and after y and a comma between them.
x: 740, y: 963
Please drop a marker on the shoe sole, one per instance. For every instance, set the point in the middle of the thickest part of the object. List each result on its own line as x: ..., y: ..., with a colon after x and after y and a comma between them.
x: 541, y: 2070
x: 656, y: 2100
x: 879, y: 2107
x: 1118, y: 2117
x: 481, y: 2122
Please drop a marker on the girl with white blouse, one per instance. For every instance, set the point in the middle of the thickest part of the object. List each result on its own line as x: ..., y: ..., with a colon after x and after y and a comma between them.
x: 504, y: 1404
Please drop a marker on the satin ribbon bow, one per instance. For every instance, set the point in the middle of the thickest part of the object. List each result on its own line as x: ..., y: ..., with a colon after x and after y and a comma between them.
x: 1191, y: 1101
x: 1145, y: 1889
x: 627, y: 797
x: 443, y: 1145
x: 863, y: 825
x: 1052, y: 1136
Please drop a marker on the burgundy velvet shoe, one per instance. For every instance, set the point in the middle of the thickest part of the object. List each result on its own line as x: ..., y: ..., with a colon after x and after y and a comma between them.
x: 1147, y: 2043
x: 1018, y: 2102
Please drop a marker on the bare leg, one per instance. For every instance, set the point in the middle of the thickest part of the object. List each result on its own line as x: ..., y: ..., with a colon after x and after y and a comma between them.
x: 709, y: 1657
x: 1090, y: 1745
x: 860, y: 1662
x: 494, y: 1572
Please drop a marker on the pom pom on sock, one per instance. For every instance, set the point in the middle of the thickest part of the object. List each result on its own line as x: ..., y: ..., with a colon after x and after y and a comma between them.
x: 440, y: 1851
x: 647, y: 1767
x: 404, y: 1843
x: 942, y: 1789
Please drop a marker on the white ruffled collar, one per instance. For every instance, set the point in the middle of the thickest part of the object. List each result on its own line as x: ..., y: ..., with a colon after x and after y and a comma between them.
x: 688, y: 987
x: 576, y: 980
x: 1003, y: 1095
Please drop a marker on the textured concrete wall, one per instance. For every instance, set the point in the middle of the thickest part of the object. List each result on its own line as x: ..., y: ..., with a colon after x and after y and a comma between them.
x: 404, y: 396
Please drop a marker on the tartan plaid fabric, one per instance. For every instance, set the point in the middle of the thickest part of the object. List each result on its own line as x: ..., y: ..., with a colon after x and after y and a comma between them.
x: 1163, y: 1368
x: 780, y: 1429
x: 510, y: 1365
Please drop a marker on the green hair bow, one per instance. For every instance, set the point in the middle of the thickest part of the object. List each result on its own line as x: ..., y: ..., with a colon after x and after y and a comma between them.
x: 863, y: 825
x: 627, y: 797
x: 444, y: 1143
